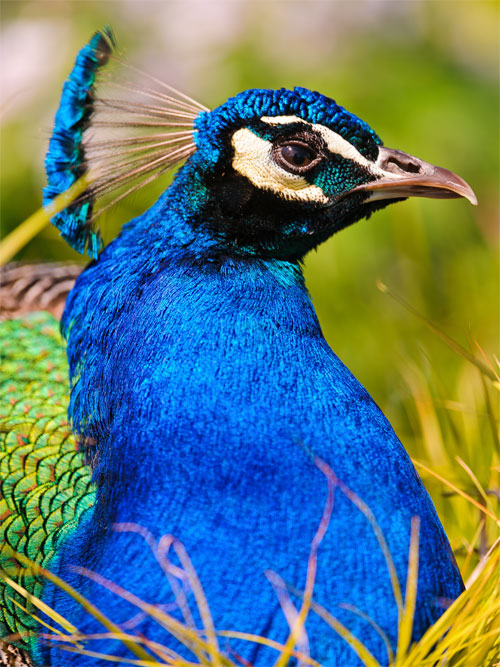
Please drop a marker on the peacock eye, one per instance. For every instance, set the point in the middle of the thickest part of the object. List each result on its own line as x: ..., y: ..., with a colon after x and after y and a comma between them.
x: 295, y: 157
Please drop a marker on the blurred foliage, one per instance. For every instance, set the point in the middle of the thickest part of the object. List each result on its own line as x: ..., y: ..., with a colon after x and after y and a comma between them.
x: 424, y: 75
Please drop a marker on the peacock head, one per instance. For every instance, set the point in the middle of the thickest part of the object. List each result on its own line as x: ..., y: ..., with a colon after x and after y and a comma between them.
x: 269, y: 173
x: 279, y: 171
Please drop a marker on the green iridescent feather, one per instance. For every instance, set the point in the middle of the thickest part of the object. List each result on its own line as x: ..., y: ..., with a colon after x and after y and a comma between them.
x: 44, y: 483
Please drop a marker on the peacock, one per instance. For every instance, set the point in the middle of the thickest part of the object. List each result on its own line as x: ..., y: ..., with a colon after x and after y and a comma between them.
x: 188, y: 397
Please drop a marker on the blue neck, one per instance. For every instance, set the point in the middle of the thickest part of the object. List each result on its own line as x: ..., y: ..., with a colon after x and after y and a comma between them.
x: 199, y: 342
x: 160, y: 297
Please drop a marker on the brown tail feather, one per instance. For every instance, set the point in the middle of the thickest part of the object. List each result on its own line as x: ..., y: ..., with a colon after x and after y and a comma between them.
x: 12, y: 656
x: 25, y: 288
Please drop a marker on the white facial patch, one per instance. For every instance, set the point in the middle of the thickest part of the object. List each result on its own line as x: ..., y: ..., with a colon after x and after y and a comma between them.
x: 335, y: 143
x: 253, y: 159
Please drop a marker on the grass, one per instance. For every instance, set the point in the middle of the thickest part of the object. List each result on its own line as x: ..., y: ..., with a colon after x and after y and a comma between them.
x: 27, y: 230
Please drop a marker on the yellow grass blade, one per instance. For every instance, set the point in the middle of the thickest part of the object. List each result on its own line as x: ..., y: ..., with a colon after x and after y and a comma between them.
x: 36, y: 602
x: 375, y: 626
x: 28, y: 229
x: 86, y: 604
x: 298, y: 628
x: 201, y: 601
x: 172, y: 573
x: 166, y: 654
x: 363, y: 507
x: 458, y: 637
x: 406, y: 622
x: 357, y: 646
x: 177, y: 629
x: 270, y: 643
x: 124, y: 661
x: 39, y: 620
x: 474, y: 479
x: 483, y: 509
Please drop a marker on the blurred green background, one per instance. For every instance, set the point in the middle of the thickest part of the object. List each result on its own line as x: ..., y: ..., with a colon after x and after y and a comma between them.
x: 425, y: 76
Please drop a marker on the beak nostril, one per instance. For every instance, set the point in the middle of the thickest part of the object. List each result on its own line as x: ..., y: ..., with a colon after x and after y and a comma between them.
x: 402, y: 175
x: 410, y: 167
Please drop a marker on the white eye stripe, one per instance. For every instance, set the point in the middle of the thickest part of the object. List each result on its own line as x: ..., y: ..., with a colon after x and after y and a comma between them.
x: 253, y: 159
x: 335, y: 143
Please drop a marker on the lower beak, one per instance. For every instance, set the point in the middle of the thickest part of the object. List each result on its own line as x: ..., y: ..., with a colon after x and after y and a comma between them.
x: 400, y: 175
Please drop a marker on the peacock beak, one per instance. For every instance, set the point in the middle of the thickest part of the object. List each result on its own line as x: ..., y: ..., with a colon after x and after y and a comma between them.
x: 402, y: 175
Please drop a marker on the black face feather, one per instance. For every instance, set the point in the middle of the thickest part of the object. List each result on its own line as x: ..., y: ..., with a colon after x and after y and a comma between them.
x: 250, y: 220
x: 254, y: 220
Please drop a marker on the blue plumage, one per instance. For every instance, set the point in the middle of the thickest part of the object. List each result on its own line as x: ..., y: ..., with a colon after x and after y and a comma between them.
x: 199, y: 368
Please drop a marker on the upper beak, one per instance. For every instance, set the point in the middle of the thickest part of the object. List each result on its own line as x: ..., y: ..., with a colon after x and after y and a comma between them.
x: 403, y: 175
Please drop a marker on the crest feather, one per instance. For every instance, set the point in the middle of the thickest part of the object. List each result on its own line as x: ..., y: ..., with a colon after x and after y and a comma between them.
x: 124, y: 141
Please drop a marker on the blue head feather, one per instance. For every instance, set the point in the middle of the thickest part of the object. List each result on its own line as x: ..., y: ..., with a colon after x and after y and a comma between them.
x: 245, y: 220
x: 251, y: 105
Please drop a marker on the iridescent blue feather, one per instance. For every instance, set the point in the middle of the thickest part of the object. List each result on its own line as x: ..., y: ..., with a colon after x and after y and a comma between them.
x: 64, y: 162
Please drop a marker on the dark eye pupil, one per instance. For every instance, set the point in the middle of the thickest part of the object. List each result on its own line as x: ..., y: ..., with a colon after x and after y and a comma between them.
x: 298, y: 156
